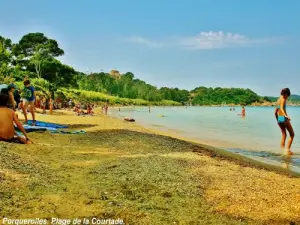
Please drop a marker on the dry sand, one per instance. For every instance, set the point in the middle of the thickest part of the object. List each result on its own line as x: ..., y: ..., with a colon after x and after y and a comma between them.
x: 221, y: 190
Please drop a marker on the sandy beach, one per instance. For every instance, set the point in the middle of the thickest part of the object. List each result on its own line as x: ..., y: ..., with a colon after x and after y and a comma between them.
x: 121, y: 170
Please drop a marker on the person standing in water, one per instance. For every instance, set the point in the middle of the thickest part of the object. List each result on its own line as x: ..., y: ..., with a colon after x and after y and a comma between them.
x: 243, y: 111
x: 283, y: 120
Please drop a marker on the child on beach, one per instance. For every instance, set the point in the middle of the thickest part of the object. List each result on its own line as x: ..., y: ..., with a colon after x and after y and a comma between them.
x: 29, y: 98
x: 7, y: 119
x: 283, y: 120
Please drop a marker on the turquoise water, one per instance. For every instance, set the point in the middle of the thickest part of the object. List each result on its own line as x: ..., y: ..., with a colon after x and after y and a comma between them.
x: 257, y: 135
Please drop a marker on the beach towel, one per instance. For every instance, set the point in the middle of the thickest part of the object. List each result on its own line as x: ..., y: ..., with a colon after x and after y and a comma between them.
x: 29, y: 128
x: 46, y: 124
x: 68, y: 132
x: 20, y: 134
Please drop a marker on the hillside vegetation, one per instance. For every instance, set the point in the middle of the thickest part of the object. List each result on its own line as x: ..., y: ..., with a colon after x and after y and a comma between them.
x: 35, y: 56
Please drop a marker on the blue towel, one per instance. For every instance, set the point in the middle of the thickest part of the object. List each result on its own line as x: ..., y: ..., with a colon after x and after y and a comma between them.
x: 29, y: 128
x: 20, y: 134
x: 45, y: 124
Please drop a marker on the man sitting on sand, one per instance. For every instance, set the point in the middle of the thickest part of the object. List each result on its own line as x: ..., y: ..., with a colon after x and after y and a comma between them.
x: 7, y: 120
x: 29, y: 100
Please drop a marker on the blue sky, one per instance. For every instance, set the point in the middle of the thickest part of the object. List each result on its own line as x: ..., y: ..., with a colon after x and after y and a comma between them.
x: 227, y: 43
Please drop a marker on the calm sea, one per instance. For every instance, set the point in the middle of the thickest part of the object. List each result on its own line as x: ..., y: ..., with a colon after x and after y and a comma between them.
x: 256, y: 136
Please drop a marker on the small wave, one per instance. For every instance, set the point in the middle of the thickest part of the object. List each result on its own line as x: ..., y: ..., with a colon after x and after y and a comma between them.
x: 293, y: 160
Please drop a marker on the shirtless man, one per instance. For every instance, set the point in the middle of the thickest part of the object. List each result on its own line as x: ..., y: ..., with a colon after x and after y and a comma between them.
x: 7, y: 120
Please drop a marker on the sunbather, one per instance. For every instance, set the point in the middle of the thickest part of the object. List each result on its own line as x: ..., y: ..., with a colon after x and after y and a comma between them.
x: 7, y: 120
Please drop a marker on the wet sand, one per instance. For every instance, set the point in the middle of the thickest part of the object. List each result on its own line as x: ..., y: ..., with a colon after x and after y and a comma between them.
x: 122, y: 170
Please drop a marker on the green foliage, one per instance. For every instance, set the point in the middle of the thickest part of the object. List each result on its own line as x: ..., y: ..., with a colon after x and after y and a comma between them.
x: 292, y: 99
x: 128, y: 87
x: 217, y: 96
x: 92, y: 96
x: 5, y: 58
x: 35, y: 56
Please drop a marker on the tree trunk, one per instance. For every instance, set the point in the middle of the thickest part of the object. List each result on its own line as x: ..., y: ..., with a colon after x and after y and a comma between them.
x: 38, y: 69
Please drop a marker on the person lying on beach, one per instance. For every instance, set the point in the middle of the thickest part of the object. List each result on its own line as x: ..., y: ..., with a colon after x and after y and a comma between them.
x: 7, y: 120
x: 283, y: 120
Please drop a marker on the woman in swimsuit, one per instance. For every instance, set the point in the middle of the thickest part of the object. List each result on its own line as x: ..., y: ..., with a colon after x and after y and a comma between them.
x: 283, y: 120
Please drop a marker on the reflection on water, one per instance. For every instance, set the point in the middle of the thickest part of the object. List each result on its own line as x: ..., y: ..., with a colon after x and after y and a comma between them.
x: 286, y: 161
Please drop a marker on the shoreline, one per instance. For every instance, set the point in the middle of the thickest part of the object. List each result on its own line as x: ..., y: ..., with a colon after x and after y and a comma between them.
x: 225, y: 106
x: 222, y: 153
x: 154, y: 171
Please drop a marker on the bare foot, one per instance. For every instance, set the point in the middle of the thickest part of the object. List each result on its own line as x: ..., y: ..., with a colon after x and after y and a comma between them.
x: 289, y: 152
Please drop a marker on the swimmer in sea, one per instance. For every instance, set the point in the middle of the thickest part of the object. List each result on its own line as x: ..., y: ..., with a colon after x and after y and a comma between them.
x: 284, y: 121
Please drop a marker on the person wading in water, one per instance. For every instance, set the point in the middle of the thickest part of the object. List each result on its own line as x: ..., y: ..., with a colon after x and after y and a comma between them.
x: 283, y: 120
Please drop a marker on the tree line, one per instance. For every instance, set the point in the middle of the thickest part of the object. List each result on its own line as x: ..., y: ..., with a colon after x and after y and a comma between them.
x: 36, y: 56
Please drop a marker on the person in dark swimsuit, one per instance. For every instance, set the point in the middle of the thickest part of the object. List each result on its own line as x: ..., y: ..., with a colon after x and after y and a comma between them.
x: 17, y: 97
x: 283, y: 120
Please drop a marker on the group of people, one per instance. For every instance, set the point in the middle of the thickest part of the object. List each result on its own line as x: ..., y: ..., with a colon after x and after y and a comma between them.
x: 79, y: 109
x: 44, y: 103
x: 243, y: 113
x: 10, y: 100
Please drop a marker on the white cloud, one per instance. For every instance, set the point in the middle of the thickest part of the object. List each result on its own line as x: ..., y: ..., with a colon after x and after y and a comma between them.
x: 144, y: 41
x: 213, y: 40
x: 206, y: 40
